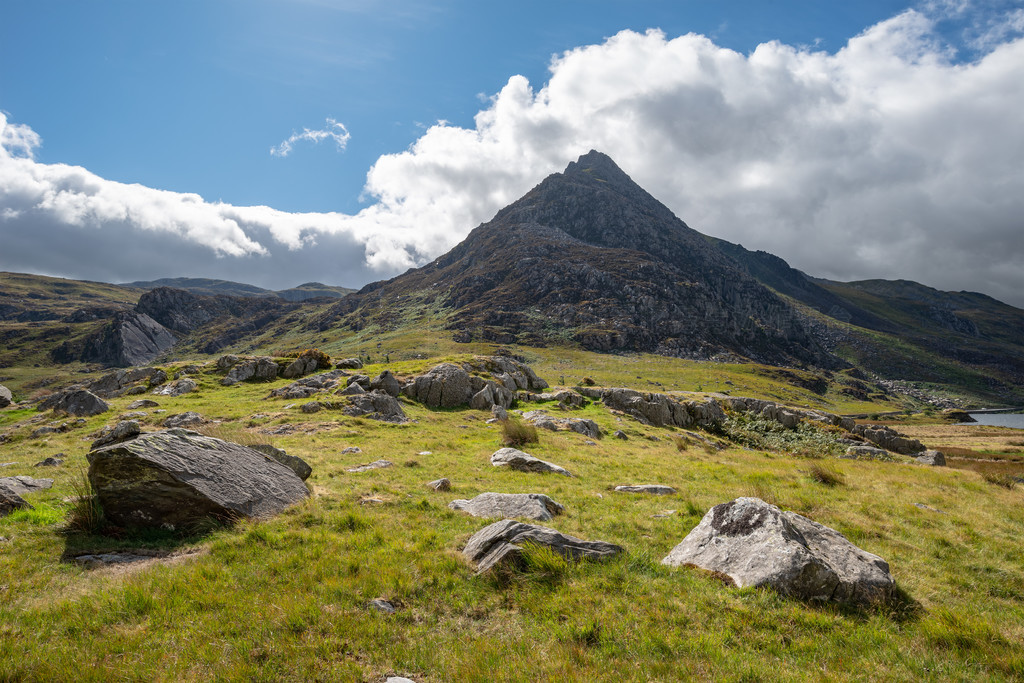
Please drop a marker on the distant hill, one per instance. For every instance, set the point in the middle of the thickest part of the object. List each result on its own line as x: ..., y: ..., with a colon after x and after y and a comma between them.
x: 209, y: 287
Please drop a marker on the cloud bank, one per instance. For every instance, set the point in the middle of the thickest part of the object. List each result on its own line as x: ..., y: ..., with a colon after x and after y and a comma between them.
x: 887, y: 159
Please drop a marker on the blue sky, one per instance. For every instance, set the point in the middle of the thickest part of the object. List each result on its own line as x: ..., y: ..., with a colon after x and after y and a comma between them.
x: 190, y: 98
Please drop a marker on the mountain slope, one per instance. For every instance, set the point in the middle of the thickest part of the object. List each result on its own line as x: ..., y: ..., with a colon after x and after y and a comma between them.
x: 590, y: 256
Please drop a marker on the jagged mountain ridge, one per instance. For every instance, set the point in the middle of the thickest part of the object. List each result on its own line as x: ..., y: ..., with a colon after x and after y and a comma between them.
x: 211, y: 287
x: 589, y: 254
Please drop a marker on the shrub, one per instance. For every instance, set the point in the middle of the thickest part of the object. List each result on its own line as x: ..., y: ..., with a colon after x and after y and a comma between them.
x: 516, y: 433
x: 323, y: 361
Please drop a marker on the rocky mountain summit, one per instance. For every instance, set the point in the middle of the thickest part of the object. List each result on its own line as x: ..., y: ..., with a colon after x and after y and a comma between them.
x: 589, y: 255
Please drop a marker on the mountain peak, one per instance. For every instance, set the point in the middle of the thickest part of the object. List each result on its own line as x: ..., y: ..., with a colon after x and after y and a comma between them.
x: 597, y: 165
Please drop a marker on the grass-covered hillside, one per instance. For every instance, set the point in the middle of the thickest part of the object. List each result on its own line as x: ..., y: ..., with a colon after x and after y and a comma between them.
x: 289, y: 598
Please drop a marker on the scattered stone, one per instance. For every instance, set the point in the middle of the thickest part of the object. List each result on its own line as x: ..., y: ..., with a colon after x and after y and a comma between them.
x: 11, y: 501
x: 349, y: 363
x: 541, y: 419
x: 157, y: 378
x: 22, y: 485
x: 52, y: 461
x: 351, y: 449
x: 524, y: 462
x: 133, y: 415
x: 536, y: 506
x: 176, y: 388
x: 312, y: 407
x: 656, y: 489
x: 176, y: 477
x: 77, y: 402
x: 189, y: 419
x: 375, y: 465
x: 293, y: 462
x: 922, y: 506
x: 352, y: 389
x: 398, y: 679
x: 663, y: 514
x: 43, y: 431
x: 6, y: 397
x: 442, y: 484
x: 500, y: 544
x: 376, y: 405
x: 371, y: 501
x: 308, y: 386
x: 619, y: 434
x: 933, y: 458
x: 756, y: 544
x: 499, y: 413
x: 382, y: 605
x: 425, y: 453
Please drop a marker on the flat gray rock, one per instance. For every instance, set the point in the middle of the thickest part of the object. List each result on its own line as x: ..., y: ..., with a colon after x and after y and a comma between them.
x: 126, y: 429
x: 142, y: 403
x: 375, y: 465
x: 189, y: 419
x: 524, y: 462
x: 176, y: 477
x: 756, y: 544
x: 656, y: 489
x: 534, y: 506
x: 21, y: 485
x: 501, y: 544
x: 442, y: 484
x: 543, y: 420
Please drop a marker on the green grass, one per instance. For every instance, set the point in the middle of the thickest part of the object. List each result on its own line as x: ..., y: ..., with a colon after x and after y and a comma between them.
x: 286, y: 599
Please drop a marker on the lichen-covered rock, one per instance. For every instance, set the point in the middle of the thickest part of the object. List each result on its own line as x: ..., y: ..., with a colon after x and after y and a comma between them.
x: 126, y: 429
x: 536, y: 506
x: 757, y: 544
x: 515, y: 459
x: 501, y: 544
x: 174, y: 478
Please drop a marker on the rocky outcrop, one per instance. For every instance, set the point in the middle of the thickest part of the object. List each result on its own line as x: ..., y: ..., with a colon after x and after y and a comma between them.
x: 130, y: 338
x: 444, y: 386
x: 536, y: 506
x: 757, y: 544
x: 543, y: 420
x: 524, y: 462
x: 77, y: 402
x: 174, y: 478
x: 387, y: 383
x: 262, y: 369
x: 308, y: 386
x: 117, y: 383
x: 659, y: 410
x: 176, y: 388
x: 501, y: 544
x: 375, y: 405
x: 889, y: 439
x: 449, y: 385
x: 300, y: 367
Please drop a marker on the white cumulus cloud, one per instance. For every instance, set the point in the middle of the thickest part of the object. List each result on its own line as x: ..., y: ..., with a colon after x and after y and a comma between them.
x: 886, y: 159
x: 334, y: 131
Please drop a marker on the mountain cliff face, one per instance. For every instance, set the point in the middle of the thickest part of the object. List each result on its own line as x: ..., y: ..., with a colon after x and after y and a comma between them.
x: 590, y: 255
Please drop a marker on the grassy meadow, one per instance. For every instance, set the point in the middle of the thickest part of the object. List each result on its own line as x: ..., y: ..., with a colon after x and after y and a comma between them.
x: 288, y: 598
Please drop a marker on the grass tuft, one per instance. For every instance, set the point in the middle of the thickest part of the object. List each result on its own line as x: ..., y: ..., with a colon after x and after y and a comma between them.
x: 515, y: 433
x: 86, y: 515
x: 827, y: 475
x: 1007, y: 481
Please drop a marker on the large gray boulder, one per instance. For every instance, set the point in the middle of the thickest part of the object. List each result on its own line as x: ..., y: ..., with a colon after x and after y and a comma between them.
x: 534, y: 506
x: 931, y: 457
x: 77, y: 402
x: 174, y: 478
x: 444, y: 386
x: 375, y: 405
x: 515, y: 459
x: 757, y: 544
x: 6, y: 398
x: 501, y: 544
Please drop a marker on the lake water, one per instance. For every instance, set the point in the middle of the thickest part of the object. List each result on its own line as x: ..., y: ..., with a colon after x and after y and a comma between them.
x: 1013, y: 420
